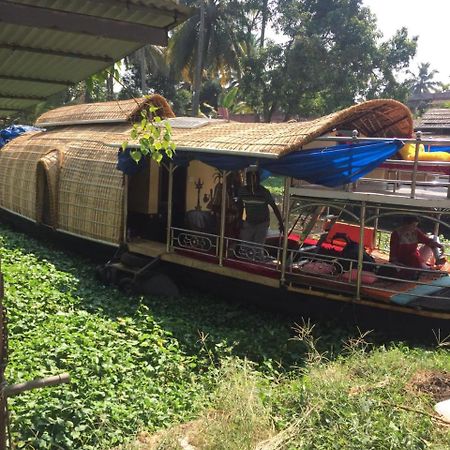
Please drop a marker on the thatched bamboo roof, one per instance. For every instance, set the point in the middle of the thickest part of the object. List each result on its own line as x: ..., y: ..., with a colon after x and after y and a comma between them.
x: 375, y: 118
x: 106, y: 112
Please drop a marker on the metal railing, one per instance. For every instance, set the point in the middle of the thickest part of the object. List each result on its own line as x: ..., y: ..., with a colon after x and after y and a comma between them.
x: 303, y: 262
x: 194, y: 241
x: 342, y: 272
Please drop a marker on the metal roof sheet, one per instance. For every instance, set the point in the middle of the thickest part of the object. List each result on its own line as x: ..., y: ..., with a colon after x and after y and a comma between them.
x: 55, y: 43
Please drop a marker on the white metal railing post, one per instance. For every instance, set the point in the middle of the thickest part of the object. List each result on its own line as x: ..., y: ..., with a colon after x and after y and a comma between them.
x: 375, y: 227
x: 436, y: 225
x: 171, y: 169
x: 223, y: 211
x: 416, y: 164
x: 362, y: 224
x: 286, y: 211
x: 355, y: 136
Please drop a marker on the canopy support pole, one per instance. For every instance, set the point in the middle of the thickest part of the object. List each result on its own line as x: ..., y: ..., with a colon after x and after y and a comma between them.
x: 416, y: 164
x: 223, y: 211
x: 375, y: 228
x: 436, y: 225
x: 362, y: 225
x: 171, y: 169
x: 286, y: 211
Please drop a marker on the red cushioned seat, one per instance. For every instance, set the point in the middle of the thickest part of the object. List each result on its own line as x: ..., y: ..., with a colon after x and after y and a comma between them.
x: 352, y: 232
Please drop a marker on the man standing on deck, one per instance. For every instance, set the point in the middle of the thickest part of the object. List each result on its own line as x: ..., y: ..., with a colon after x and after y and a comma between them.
x: 255, y: 199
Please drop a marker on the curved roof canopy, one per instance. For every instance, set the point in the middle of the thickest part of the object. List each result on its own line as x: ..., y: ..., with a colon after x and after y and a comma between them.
x: 374, y: 118
x: 47, y: 45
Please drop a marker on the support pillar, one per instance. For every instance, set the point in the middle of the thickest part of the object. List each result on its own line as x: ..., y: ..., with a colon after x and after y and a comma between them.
x: 286, y: 211
x: 360, y: 249
x: 171, y: 169
x: 223, y: 211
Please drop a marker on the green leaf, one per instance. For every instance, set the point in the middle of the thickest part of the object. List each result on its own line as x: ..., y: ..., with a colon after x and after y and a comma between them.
x: 152, y: 140
x: 124, y: 145
x: 136, y: 155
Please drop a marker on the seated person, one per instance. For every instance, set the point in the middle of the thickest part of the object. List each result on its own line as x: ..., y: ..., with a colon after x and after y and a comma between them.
x: 404, y: 245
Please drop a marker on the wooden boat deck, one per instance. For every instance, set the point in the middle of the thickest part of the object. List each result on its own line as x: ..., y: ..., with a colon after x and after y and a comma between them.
x: 145, y: 247
x: 207, y: 263
x: 377, y: 295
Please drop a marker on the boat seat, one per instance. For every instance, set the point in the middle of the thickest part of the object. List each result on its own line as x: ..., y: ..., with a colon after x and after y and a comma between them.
x: 334, y: 240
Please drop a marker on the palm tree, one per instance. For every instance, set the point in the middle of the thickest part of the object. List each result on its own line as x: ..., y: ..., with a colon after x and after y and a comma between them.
x: 423, y: 82
x: 150, y: 59
x: 221, y: 48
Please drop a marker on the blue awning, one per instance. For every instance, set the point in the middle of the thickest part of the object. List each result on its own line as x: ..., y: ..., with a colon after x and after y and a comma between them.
x: 10, y: 133
x: 328, y: 166
x: 437, y: 148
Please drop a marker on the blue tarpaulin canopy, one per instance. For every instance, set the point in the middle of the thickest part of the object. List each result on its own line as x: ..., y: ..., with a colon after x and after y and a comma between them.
x: 8, y: 134
x: 437, y: 148
x: 330, y: 166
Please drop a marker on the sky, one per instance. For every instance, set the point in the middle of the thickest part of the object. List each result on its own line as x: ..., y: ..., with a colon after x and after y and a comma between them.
x: 428, y: 19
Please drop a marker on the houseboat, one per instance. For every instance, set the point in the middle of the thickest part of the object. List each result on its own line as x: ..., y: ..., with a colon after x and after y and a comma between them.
x: 345, y: 190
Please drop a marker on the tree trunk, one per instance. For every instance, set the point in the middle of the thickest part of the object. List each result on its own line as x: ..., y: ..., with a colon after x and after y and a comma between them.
x: 199, y: 66
x: 110, y: 85
x: 143, y: 70
x: 265, y: 15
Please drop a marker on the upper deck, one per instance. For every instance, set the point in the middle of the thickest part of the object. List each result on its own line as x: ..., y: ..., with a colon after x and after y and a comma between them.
x: 395, y: 182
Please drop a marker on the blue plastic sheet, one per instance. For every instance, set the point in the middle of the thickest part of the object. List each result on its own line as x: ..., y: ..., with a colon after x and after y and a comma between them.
x: 436, y: 148
x: 331, y: 166
x: 129, y: 166
x: 10, y: 133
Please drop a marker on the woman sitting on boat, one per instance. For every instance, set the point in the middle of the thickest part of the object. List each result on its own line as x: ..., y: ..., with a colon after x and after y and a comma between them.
x: 404, y: 245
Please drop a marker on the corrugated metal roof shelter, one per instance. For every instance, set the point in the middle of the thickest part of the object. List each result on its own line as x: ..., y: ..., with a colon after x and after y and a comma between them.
x: 47, y: 45
x: 436, y: 120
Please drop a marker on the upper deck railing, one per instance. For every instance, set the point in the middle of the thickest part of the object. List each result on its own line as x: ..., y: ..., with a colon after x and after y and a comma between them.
x: 395, y: 179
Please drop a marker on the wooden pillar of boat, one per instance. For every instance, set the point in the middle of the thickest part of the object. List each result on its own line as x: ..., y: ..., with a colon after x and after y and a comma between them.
x: 171, y: 169
x: 286, y: 212
x: 125, y: 210
x: 223, y: 211
x: 362, y: 224
x: 436, y: 225
x: 416, y: 164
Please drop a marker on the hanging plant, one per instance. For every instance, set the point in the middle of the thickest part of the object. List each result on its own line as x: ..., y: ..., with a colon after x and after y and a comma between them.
x: 154, y: 136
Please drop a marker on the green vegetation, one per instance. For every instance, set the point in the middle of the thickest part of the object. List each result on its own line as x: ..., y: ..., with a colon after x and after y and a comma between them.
x: 153, y: 135
x: 239, y: 378
x: 275, y: 185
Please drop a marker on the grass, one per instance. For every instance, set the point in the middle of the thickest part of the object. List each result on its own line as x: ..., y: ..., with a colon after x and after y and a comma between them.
x: 225, y: 376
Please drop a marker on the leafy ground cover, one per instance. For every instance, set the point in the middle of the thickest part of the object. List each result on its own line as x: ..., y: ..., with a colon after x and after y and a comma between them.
x: 243, y: 377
